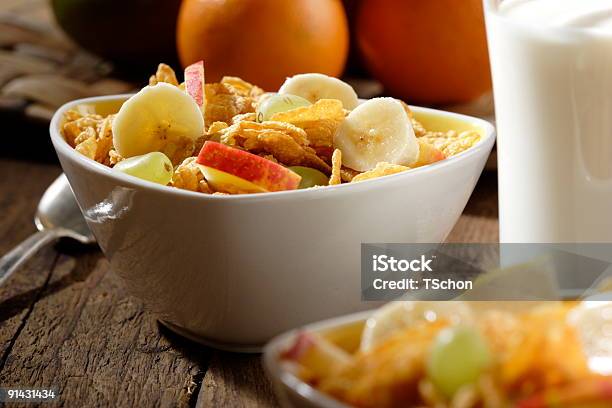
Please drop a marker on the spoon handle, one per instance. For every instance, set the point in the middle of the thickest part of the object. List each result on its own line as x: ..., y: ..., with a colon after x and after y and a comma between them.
x: 10, y: 261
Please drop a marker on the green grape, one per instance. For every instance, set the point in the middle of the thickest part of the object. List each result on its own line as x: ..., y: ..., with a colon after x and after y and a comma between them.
x: 279, y: 103
x: 154, y: 166
x: 458, y: 357
x: 310, y: 177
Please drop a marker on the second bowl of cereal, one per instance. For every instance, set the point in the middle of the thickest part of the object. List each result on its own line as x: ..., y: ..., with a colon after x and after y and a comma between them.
x: 236, y: 214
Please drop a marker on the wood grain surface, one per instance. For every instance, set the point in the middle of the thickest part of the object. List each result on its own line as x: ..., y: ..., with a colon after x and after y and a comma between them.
x: 66, y: 321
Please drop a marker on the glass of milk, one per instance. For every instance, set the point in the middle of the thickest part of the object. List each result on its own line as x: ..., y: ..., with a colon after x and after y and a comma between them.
x: 552, y: 76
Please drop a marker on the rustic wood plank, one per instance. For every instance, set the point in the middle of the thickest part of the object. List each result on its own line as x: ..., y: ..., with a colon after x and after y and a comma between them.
x: 87, y: 337
x: 22, y: 184
x: 18, y: 296
x: 235, y: 380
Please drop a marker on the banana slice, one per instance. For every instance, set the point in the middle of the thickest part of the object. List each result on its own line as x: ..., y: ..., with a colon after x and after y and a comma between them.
x: 319, y: 86
x: 378, y: 130
x: 158, y: 118
x: 396, y: 316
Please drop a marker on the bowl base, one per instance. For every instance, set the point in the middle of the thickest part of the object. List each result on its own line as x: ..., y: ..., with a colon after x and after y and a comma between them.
x: 231, y: 347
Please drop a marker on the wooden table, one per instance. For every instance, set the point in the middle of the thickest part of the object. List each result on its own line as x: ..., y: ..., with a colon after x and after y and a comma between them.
x: 66, y: 321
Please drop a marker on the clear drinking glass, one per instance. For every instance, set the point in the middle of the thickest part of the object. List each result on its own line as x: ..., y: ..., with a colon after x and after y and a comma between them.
x: 552, y: 79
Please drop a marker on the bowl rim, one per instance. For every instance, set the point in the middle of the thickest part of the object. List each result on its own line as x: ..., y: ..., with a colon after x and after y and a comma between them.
x: 63, y: 148
x: 276, y: 372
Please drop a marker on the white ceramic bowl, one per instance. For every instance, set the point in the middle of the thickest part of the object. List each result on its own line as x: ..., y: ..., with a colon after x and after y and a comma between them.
x: 236, y: 270
x: 291, y: 391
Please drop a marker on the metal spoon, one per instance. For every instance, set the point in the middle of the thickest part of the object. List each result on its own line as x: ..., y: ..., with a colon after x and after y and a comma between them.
x: 58, y: 216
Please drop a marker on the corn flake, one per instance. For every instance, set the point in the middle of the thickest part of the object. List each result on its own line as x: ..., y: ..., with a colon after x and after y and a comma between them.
x: 228, y: 98
x: 113, y: 157
x: 336, y: 178
x: 87, y: 146
x: 217, y: 127
x: 240, y: 87
x: 278, y: 144
x: 76, y: 124
x: 164, y: 74
x: 348, y: 174
x: 239, y: 133
x: 428, y: 154
x: 268, y: 157
x: 244, y: 117
x: 381, y: 169
x: 320, y: 120
x: 419, y: 129
x: 187, y: 176
x: 95, y: 139
x: 104, y: 138
x: 286, y: 142
x: 311, y: 159
x: 213, y: 134
x: 452, y: 142
x: 178, y: 149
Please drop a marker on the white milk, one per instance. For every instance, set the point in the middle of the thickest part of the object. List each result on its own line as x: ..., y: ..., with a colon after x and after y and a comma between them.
x: 552, y: 74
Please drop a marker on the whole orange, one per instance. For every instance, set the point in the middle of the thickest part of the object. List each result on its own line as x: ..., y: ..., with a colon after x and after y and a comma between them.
x: 426, y: 51
x: 263, y: 41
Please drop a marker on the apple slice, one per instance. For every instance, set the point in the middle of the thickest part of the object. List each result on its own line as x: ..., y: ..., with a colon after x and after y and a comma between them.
x: 228, y: 183
x: 427, y: 155
x: 234, y: 171
x: 194, y: 83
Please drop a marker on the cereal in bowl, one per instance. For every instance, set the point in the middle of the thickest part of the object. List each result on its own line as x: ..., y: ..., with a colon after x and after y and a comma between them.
x: 231, y: 137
